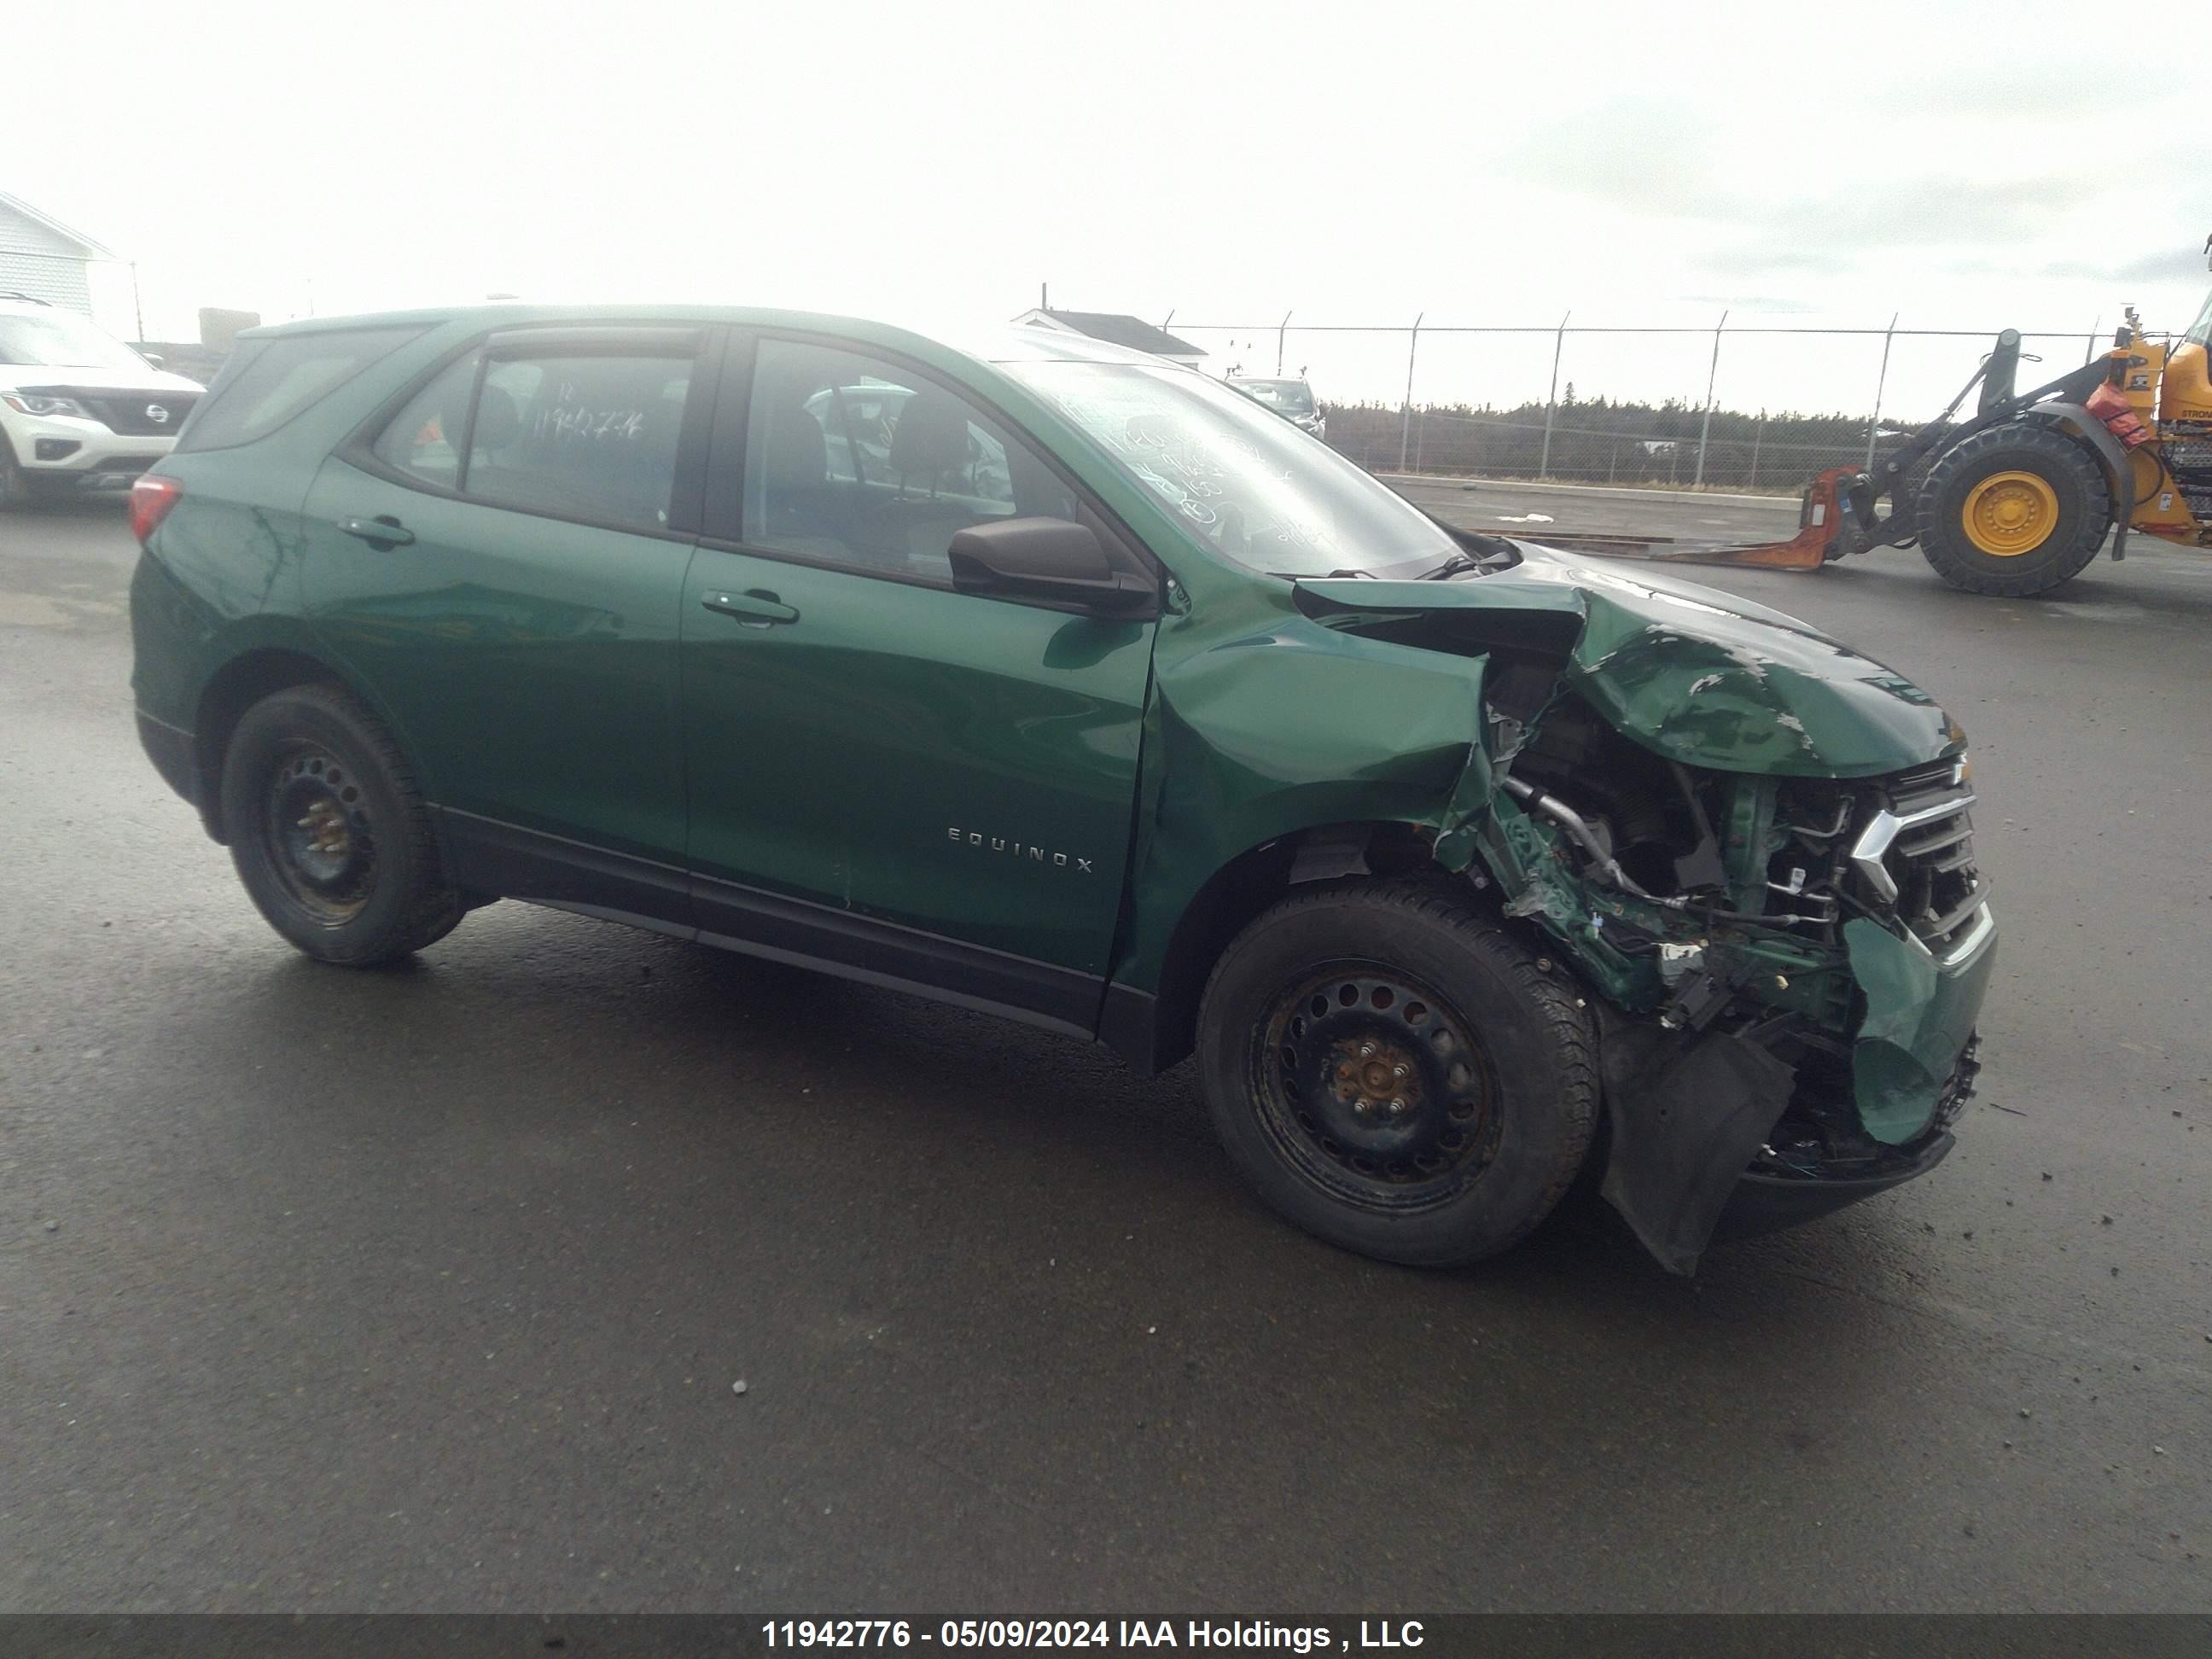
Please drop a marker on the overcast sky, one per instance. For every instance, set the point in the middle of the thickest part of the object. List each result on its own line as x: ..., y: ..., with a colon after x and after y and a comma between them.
x: 1966, y: 165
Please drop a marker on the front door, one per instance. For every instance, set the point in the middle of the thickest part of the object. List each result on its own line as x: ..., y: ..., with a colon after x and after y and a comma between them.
x: 500, y: 567
x: 921, y: 785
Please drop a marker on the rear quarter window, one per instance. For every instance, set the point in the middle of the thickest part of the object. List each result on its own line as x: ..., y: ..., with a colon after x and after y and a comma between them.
x: 271, y: 380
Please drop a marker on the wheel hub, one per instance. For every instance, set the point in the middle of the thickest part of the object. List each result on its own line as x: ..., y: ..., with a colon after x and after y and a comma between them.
x: 1373, y: 1082
x: 319, y: 836
x: 2009, y: 514
x: 1375, y: 1076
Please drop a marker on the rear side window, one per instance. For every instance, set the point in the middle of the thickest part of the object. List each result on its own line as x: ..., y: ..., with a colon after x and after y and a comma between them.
x: 580, y: 434
x: 284, y: 376
x: 424, y: 438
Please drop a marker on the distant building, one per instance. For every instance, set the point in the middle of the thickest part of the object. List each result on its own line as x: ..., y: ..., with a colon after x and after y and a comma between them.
x: 1117, y: 330
x: 44, y: 258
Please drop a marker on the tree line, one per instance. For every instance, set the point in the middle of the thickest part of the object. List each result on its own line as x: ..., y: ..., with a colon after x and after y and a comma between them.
x: 1601, y: 440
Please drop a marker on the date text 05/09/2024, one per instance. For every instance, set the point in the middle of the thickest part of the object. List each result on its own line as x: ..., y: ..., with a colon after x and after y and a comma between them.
x: 1094, y: 1633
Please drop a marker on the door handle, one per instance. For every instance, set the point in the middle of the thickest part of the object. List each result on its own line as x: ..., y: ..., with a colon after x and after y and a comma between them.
x: 757, y: 608
x: 383, y: 530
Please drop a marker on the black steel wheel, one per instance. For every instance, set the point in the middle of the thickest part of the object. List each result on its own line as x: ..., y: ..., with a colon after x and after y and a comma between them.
x: 1374, y: 1087
x: 328, y: 831
x: 1396, y: 1074
x: 316, y: 827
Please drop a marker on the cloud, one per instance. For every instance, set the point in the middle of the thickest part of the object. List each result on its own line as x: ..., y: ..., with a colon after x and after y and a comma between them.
x: 2177, y: 264
x: 2043, y: 92
x: 1747, y: 302
x: 1665, y: 162
x: 1756, y: 259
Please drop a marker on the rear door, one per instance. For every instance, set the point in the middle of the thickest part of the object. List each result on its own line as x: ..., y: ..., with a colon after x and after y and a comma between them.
x: 500, y: 561
x: 929, y: 786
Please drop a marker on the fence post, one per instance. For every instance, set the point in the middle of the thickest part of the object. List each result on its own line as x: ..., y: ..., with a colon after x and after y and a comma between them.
x: 138, y: 301
x: 1881, y: 385
x: 1280, y: 327
x: 1406, y: 419
x: 1705, y: 426
x: 1552, y: 401
x: 1757, y: 436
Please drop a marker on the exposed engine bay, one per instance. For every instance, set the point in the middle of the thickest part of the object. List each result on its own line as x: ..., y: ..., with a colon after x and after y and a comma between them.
x: 1783, y: 961
x: 1718, y: 905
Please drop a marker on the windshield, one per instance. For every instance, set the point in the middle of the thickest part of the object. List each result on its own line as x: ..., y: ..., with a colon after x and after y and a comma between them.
x: 1292, y: 397
x: 1254, y: 486
x: 2201, y: 329
x: 61, y: 340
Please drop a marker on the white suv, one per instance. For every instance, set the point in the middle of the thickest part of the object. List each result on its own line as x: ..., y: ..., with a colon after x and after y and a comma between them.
x: 78, y: 409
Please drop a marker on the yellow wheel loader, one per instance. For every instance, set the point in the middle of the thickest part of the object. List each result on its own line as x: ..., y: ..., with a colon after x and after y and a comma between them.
x: 2020, y: 497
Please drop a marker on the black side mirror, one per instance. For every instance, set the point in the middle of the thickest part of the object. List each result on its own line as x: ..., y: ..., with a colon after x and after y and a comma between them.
x: 1044, y: 559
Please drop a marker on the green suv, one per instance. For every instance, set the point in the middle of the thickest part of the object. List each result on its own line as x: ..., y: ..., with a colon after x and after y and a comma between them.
x: 1050, y: 679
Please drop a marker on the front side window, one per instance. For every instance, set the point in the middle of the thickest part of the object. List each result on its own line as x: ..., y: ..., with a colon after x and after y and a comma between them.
x: 855, y: 461
x: 1250, y: 484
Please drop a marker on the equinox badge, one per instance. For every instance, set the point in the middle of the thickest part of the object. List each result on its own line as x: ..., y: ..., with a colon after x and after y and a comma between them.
x: 1000, y: 844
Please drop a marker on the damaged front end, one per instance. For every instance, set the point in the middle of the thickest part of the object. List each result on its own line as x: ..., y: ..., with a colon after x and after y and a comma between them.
x: 1756, y: 849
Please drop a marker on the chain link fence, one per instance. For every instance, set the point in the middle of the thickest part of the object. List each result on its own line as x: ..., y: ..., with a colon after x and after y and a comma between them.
x: 1712, y: 407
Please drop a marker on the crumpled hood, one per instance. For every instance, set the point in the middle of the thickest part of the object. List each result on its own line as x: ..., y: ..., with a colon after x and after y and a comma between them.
x: 1692, y: 674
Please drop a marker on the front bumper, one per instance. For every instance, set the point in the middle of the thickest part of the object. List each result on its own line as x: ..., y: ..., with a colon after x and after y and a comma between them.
x: 1769, y: 1204
x: 64, y: 453
x: 1715, y: 1138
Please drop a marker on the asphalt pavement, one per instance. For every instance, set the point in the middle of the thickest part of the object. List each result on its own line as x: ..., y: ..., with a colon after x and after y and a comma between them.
x: 427, y: 1289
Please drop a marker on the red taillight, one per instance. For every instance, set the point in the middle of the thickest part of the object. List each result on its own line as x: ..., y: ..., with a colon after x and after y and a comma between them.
x: 151, y: 498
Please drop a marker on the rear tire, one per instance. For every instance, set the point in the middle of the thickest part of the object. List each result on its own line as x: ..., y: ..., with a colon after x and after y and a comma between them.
x: 330, y: 833
x: 1395, y: 1073
x: 2013, y: 511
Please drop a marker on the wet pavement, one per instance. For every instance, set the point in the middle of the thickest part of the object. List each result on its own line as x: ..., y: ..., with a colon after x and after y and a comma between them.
x: 428, y: 1288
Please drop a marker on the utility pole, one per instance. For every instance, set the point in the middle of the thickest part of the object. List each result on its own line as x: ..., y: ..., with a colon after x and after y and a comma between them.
x: 1881, y: 385
x: 1406, y: 420
x: 1712, y: 376
x: 1552, y: 402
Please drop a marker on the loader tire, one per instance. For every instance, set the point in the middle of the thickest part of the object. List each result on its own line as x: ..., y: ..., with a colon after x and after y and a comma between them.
x: 2013, y: 511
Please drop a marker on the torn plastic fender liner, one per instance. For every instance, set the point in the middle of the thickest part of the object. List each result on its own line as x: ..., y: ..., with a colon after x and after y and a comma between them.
x: 1473, y: 793
x: 1687, y: 1113
x: 1919, y: 1018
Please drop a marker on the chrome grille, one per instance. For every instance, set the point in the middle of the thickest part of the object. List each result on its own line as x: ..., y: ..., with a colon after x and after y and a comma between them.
x: 131, y: 413
x: 1914, y: 853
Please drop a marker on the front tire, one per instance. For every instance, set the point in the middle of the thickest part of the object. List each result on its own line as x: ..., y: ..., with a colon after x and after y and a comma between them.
x: 1395, y: 1073
x: 329, y: 833
x: 2013, y: 511
x: 16, y: 492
